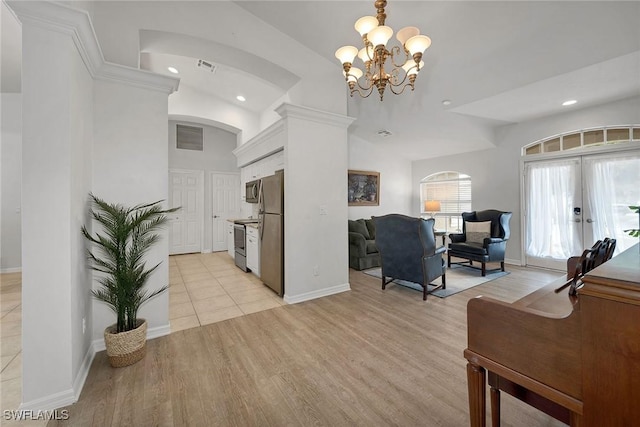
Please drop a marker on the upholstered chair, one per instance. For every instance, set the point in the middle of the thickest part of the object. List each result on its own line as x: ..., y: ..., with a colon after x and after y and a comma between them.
x: 483, y: 239
x: 408, y: 251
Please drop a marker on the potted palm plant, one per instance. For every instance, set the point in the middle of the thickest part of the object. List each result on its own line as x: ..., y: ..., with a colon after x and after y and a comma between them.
x: 126, y: 236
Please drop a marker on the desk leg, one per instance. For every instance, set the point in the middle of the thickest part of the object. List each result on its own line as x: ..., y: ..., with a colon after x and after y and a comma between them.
x: 495, y: 406
x: 476, y: 379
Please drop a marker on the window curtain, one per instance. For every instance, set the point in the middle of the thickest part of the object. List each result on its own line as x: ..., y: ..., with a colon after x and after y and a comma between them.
x: 612, y: 185
x: 551, y: 198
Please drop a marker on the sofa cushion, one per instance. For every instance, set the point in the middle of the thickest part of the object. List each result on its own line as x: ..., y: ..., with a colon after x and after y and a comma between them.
x: 371, y: 227
x: 371, y: 247
x: 477, y: 231
x: 359, y: 227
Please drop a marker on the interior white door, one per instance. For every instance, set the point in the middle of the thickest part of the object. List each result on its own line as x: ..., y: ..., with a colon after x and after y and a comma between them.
x: 186, y: 191
x: 225, y: 204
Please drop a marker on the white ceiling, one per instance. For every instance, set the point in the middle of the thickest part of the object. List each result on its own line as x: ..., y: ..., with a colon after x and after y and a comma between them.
x: 497, y: 62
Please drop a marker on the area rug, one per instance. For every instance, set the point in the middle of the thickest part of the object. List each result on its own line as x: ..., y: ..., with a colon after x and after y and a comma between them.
x: 459, y: 278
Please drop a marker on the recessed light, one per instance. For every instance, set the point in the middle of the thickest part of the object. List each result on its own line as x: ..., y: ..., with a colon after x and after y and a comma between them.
x: 446, y: 102
x: 241, y: 98
x: 570, y: 102
x: 174, y: 70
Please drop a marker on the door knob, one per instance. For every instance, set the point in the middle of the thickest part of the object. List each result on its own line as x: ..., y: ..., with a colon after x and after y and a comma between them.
x: 589, y: 220
x: 215, y: 216
x: 577, y: 220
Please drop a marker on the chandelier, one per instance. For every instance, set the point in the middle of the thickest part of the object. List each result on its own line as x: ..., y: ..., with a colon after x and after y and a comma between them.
x: 405, y: 62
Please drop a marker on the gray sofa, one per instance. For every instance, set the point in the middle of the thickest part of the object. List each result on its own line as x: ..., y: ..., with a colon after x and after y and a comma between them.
x: 363, y: 252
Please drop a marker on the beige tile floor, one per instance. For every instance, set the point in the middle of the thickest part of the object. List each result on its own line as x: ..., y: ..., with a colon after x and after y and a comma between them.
x: 204, y: 289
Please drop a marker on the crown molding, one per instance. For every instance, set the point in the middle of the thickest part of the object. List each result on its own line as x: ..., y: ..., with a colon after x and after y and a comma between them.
x: 311, y: 114
x: 267, y: 142
x: 77, y: 24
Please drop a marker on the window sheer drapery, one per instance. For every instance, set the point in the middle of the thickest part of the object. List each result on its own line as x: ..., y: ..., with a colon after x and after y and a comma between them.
x: 550, y: 202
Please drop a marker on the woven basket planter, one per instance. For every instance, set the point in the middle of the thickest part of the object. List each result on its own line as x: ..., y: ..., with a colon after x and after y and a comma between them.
x: 126, y: 348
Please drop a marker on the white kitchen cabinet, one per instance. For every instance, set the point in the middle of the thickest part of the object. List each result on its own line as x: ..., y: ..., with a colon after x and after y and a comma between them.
x: 230, y: 241
x: 253, y: 250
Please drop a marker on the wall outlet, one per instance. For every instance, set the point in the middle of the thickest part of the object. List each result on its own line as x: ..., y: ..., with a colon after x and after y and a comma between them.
x: 84, y: 325
x: 316, y: 272
x: 323, y: 209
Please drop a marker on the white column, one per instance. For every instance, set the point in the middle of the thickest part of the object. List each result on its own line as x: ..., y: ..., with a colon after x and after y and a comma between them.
x: 316, y: 242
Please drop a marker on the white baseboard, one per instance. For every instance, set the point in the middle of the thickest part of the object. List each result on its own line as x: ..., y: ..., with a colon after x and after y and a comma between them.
x: 67, y: 397
x: 317, y: 294
x: 11, y: 270
x: 513, y: 262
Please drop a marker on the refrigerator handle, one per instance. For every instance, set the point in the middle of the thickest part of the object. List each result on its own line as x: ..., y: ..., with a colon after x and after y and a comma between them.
x: 260, y: 210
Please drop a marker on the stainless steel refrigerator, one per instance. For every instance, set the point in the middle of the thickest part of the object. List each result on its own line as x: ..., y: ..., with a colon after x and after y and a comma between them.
x: 271, y: 216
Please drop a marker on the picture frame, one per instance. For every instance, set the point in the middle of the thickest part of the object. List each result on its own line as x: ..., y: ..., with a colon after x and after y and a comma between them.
x: 363, y: 188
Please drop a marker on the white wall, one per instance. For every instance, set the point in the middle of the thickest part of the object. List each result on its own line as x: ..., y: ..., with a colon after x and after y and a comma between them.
x: 57, y: 125
x: 10, y: 193
x: 217, y: 156
x: 188, y: 102
x: 396, y: 186
x: 495, y: 172
x: 131, y: 167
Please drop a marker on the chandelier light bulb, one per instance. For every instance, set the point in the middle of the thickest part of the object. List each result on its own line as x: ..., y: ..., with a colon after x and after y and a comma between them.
x: 366, y: 24
x: 406, y: 33
x: 380, y: 35
x: 346, y: 54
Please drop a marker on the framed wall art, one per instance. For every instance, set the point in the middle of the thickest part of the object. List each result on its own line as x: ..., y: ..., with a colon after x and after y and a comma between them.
x: 364, y: 188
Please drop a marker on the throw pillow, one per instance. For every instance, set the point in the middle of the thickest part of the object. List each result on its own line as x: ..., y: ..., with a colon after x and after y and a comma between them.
x: 359, y: 227
x: 371, y: 227
x: 477, y: 231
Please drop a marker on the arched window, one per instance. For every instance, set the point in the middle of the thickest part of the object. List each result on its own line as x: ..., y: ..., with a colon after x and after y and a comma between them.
x: 453, y: 192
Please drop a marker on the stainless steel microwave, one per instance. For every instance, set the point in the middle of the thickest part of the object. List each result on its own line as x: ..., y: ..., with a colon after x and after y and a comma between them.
x: 252, y: 190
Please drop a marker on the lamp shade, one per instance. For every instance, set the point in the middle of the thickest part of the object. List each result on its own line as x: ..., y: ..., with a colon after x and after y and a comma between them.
x: 410, y: 68
x: 418, y: 44
x: 366, y: 54
x: 406, y: 33
x: 366, y: 24
x: 432, y: 206
x: 354, y: 74
x: 346, y: 54
x: 380, y: 35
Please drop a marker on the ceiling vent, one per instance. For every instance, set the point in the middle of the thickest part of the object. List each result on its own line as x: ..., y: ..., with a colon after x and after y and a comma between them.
x: 384, y: 133
x: 205, y: 65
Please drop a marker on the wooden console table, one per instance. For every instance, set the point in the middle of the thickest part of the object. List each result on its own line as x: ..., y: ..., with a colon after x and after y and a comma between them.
x: 575, y: 358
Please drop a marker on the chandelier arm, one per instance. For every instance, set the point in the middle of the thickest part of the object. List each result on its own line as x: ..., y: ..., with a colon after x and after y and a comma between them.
x: 403, y: 88
x: 395, y: 50
x: 399, y: 83
x: 360, y: 92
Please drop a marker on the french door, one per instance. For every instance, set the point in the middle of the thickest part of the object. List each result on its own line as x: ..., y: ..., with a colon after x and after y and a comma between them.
x: 572, y: 202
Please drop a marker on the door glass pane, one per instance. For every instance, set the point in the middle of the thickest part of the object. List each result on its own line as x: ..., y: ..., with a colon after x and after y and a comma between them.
x: 571, y: 141
x: 552, y: 230
x: 611, y: 186
x: 593, y: 137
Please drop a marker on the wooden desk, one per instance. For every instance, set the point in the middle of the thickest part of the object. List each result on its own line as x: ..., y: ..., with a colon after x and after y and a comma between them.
x: 577, y: 359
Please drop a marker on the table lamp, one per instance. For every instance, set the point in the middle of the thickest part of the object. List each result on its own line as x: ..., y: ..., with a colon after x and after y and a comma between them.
x: 432, y: 206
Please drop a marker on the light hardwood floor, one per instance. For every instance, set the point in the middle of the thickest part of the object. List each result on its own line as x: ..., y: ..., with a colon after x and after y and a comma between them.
x: 366, y: 357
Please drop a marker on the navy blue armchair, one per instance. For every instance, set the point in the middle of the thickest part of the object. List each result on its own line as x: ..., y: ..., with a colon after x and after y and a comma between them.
x: 408, y: 251
x: 478, y: 244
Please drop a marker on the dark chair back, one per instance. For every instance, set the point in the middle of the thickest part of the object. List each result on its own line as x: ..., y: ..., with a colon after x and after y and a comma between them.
x: 499, y: 221
x: 403, y: 242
